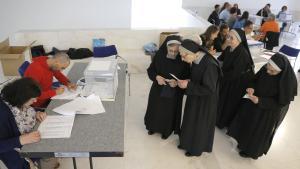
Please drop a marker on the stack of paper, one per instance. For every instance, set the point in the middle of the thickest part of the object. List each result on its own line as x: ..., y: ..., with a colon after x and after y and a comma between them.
x: 81, y: 105
x: 69, y: 94
x: 57, y: 127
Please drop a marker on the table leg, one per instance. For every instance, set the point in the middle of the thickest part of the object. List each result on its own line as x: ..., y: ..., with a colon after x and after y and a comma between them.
x: 91, y: 163
x: 129, y: 83
x: 74, y: 162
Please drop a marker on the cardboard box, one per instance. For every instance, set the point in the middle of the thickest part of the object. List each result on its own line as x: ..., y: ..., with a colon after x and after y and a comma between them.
x: 11, y: 58
x: 164, y: 35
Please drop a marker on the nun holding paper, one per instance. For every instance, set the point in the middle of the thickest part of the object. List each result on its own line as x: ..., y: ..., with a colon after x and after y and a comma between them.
x: 202, y: 90
x: 260, y: 114
x: 163, y: 114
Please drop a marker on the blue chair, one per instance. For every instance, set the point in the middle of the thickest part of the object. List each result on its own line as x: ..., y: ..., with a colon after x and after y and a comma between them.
x: 290, y: 52
x: 23, y: 68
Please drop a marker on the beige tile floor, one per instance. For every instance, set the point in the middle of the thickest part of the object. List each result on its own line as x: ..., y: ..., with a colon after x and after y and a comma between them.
x: 151, y: 152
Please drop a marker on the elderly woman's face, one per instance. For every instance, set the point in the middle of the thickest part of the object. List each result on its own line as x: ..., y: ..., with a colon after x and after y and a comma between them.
x: 30, y: 102
x: 271, y: 71
x: 233, y: 41
x: 187, y: 57
x: 173, y: 50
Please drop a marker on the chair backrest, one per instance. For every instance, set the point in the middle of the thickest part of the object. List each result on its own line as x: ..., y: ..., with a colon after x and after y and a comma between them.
x: 289, y: 51
x: 23, y: 68
x: 272, y: 40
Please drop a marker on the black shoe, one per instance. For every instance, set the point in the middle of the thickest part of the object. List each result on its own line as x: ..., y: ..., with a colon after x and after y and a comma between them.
x: 188, y: 154
x: 180, y: 147
x: 243, y: 154
x: 298, y: 70
x: 164, y: 137
x: 150, y: 132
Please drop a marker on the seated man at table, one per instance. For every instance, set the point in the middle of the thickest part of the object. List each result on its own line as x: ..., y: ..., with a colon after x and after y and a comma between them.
x: 248, y: 28
x: 269, y: 26
x: 43, y: 69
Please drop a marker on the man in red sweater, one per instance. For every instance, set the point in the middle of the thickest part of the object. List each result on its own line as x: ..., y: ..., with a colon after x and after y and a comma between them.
x: 42, y: 69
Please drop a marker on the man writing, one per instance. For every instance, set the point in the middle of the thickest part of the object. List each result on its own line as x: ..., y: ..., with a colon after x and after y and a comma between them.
x: 43, y: 69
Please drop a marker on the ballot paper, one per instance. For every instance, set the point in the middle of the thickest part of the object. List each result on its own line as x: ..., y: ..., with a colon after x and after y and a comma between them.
x: 56, y: 127
x: 246, y: 96
x: 69, y: 94
x: 81, y: 105
x: 174, y: 76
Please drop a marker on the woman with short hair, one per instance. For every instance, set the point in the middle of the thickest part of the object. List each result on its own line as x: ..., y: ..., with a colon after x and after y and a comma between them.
x: 17, y: 119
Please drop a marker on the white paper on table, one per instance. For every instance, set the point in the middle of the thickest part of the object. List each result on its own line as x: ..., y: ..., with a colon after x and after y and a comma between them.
x: 69, y: 94
x: 102, y: 65
x: 254, y: 43
x: 266, y: 56
x: 81, y: 105
x: 56, y: 127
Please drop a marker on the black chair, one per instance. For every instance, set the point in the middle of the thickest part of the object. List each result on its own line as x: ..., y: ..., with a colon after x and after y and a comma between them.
x: 271, y: 40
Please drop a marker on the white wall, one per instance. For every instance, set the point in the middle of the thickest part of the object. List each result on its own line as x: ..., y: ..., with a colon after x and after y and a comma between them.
x: 166, y: 14
x: 18, y: 15
x: 205, y: 7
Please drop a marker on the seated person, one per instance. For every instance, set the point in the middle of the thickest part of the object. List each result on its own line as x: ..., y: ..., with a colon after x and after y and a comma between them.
x: 269, y: 26
x: 240, y: 21
x: 238, y: 9
x: 264, y: 12
x: 221, y: 43
x: 43, y: 69
x: 214, y: 16
x: 224, y: 15
x: 232, y: 18
x: 17, y: 120
x: 248, y: 28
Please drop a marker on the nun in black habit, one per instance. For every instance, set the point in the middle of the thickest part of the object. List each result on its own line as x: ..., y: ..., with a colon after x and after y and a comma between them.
x: 261, y: 112
x: 202, y: 90
x: 164, y: 108
x: 238, y: 71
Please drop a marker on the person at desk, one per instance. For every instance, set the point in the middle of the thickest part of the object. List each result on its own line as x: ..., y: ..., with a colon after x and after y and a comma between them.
x: 221, y: 43
x: 248, y: 28
x: 17, y: 120
x: 214, y: 16
x: 264, y: 12
x: 232, y: 18
x: 269, y: 26
x: 225, y: 14
x: 240, y: 21
x: 282, y: 17
x: 163, y: 114
x: 43, y: 69
x: 238, y: 71
x: 198, y: 125
x: 262, y: 111
x: 238, y: 10
x: 208, y: 38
